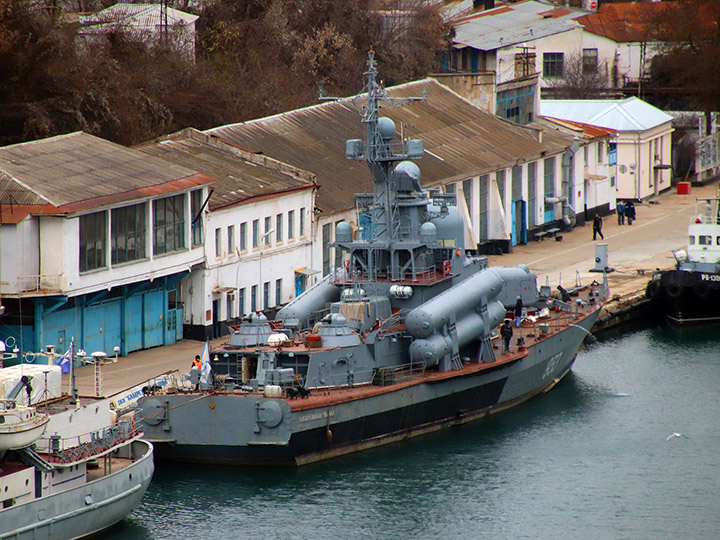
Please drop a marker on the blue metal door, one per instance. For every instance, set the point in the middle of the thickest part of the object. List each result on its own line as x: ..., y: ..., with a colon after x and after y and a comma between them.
x: 93, y: 328
x: 299, y: 285
x: 112, y: 329
x: 153, y: 311
x: 133, y: 323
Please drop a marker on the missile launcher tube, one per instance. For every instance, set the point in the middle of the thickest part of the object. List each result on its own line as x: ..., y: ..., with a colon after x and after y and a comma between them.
x: 313, y: 300
x: 471, y: 326
x: 422, y: 321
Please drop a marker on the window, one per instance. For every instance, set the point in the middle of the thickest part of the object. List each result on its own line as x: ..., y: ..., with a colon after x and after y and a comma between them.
x: 231, y: 239
x: 266, y: 294
x: 590, y: 61
x: 612, y: 153
x: 586, y: 155
x: 705, y: 240
x: 241, y: 302
x: 516, y: 183
x: 450, y: 188
x: 230, y: 306
x: 483, y: 202
x: 279, y: 228
x: 169, y: 224
x: 253, y: 298
x: 127, y: 234
x: 291, y: 224
x: 243, y: 236
x: 601, y: 152
x: 196, y: 203
x: 338, y: 251
x: 256, y: 234
x: 302, y: 222
x: 326, y: 249
x: 266, y: 234
x: 467, y: 193
x: 500, y: 177
x: 549, y: 177
x: 516, y: 105
x: 553, y: 64
x: 92, y: 241
x: 532, y: 180
x: 218, y: 240
x: 278, y: 292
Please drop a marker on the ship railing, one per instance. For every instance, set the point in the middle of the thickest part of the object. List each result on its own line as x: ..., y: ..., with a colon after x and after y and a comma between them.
x: 386, y: 376
x: 425, y: 275
x: 79, y: 447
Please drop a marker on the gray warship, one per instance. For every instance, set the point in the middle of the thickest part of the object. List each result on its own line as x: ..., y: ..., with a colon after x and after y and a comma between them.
x: 78, y: 475
x: 402, y: 340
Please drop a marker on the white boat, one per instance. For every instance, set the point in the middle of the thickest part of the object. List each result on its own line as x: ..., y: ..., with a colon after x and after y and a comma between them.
x: 86, y: 472
x: 20, y: 425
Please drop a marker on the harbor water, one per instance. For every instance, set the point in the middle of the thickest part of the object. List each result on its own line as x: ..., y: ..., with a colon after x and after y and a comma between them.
x: 593, y: 459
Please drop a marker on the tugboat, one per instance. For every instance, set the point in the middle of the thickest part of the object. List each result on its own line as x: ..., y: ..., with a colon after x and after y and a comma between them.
x: 690, y: 294
x: 400, y: 341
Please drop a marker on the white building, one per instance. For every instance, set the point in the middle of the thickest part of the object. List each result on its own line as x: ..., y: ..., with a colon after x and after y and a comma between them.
x: 598, y: 151
x: 257, y: 250
x: 524, y: 44
x: 94, y: 239
x: 149, y: 23
x: 643, y: 140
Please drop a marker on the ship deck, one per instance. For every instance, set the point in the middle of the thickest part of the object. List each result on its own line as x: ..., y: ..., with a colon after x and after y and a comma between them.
x: 524, y: 336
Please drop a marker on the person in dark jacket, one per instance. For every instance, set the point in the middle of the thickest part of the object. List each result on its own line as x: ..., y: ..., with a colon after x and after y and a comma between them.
x: 597, y: 227
x: 518, y: 311
x: 620, y: 213
x: 630, y: 212
x: 506, y: 331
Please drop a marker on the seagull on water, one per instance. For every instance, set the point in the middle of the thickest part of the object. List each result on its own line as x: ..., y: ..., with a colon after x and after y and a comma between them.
x: 676, y: 434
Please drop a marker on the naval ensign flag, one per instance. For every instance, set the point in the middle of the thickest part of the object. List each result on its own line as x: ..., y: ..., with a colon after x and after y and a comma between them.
x: 206, y: 369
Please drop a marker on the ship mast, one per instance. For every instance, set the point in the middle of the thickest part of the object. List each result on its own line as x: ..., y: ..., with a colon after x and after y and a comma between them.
x: 381, y: 156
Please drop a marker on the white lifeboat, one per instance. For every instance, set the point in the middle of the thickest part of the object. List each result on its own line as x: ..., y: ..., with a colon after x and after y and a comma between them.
x: 20, y: 425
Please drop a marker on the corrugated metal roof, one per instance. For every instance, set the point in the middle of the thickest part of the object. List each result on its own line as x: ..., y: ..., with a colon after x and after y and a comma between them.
x: 513, y: 24
x: 629, y: 22
x: 460, y: 140
x: 79, y: 167
x: 629, y: 114
x: 239, y: 176
x: 138, y: 15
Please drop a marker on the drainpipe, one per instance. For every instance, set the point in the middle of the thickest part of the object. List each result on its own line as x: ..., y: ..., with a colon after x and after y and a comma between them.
x: 568, y: 213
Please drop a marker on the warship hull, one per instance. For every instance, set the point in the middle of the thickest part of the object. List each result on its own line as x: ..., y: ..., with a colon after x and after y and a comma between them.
x: 236, y: 430
x: 87, y: 509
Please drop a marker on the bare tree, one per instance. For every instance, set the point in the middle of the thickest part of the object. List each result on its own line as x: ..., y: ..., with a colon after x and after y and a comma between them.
x: 581, y: 79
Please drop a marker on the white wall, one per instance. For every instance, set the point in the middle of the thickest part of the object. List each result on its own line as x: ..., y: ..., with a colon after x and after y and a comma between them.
x: 566, y: 42
x: 622, y: 58
x: 19, y: 256
x: 603, y: 190
x: 237, y: 269
x: 636, y: 159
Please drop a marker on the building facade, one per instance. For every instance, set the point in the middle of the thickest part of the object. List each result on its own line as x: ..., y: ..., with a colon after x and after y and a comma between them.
x: 94, y: 241
x: 643, y: 144
x: 258, y: 241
